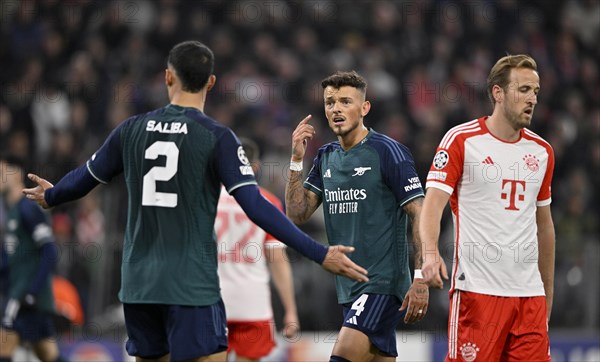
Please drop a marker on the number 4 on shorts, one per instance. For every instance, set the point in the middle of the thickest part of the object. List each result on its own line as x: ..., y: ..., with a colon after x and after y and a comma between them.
x: 359, y: 304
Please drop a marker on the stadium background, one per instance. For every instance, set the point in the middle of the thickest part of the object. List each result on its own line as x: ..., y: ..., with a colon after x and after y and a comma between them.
x: 72, y: 70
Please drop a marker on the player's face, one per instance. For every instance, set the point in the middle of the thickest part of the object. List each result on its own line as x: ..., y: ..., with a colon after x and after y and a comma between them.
x: 345, y: 108
x: 521, y: 97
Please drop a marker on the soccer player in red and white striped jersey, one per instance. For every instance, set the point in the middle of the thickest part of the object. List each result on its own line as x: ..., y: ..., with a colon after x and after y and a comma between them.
x: 497, y: 175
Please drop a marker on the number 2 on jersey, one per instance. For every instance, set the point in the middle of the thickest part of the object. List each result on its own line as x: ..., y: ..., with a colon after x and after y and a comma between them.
x: 150, y: 197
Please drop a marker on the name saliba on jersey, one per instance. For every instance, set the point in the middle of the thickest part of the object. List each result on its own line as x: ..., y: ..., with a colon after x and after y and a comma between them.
x: 344, y: 201
x: 166, y: 127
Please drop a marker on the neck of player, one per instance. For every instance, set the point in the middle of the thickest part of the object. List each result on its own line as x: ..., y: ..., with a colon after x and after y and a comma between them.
x: 500, y: 127
x: 186, y: 99
x: 353, y: 137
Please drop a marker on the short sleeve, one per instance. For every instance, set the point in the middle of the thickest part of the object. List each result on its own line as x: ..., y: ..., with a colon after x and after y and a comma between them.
x: 314, y: 182
x: 399, y: 173
x: 545, y: 195
x: 447, y: 167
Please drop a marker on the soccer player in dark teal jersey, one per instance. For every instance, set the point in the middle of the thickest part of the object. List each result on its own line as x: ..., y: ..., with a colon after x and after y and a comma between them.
x: 369, y: 188
x: 174, y: 160
x: 29, y: 246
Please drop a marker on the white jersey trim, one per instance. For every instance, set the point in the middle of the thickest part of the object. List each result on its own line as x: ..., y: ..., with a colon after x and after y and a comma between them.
x: 454, y: 314
x: 274, y: 244
x: 474, y: 129
x: 308, y: 183
x: 502, y: 293
x: 87, y: 165
x: 544, y: 202
x: 440, y: 186
x: 246, y: 183
x: 449, y: 137
x: 536, y: 136
x: 412, y: 198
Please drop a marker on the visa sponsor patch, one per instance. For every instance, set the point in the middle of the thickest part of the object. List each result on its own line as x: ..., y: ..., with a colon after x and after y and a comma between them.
x: 246, y: 170
x: 437, y: 175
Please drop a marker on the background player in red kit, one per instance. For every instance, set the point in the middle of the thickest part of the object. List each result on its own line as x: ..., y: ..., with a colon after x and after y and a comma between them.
x: 497, y: 175
x: 174, y: 160
x: 246, y: 256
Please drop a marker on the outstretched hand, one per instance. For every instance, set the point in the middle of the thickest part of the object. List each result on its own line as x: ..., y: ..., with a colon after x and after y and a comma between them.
x: 300, y: 137
x: 337, y: 262
x: 37, y: 193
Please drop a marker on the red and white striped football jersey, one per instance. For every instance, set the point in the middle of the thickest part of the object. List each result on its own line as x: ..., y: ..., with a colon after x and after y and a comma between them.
x: 242, y: 251
x: 495, y: 187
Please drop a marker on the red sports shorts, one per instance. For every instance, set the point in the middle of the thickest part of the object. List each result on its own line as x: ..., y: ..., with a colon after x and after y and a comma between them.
x: 252, y: 340
x: 491, y: 328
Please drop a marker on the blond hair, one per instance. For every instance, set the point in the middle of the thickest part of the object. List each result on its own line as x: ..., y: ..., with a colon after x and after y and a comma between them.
x: 500, y: 72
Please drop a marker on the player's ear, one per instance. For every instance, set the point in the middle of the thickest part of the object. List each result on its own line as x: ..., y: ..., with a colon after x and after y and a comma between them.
x: 498, y: 93
x: 169, y: 77
x: 365, y: 108
x: 211, y: 82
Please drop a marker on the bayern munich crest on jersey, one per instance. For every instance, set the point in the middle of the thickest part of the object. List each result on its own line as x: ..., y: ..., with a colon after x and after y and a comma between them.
x: 469, y: 351
x: 441, y: 159
x: 531, y: 162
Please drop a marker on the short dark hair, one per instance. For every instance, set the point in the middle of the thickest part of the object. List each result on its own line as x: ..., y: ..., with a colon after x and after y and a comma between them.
x: 13, y: 160
x: 193, y: 63
x: 340, y: 79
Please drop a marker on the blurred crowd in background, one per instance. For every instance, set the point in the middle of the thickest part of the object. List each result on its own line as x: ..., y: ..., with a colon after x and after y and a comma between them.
x: 73, y: 70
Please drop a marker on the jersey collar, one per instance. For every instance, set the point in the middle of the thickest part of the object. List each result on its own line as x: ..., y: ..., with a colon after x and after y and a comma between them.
x: 361, y: 142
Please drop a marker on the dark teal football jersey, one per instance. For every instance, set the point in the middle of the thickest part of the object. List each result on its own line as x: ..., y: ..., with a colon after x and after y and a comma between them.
x: 363, y: 191
x: 174, y: 160
x: 27, y: 230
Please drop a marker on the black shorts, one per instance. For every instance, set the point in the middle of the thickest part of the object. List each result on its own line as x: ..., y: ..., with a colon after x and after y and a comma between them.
x: 377, y: 316
x: 186, y: 332
x: 33, y: 325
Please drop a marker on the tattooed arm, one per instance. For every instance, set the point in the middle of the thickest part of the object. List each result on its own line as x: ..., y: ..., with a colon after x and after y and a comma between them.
x: 300, y: 203
x: 413, y: 210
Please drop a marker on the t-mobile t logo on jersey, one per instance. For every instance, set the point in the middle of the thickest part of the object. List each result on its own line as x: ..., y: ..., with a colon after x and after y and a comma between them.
x: 511, y: 193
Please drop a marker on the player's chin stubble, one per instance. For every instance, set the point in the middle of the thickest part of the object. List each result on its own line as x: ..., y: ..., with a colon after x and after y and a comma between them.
x: 340, y: 132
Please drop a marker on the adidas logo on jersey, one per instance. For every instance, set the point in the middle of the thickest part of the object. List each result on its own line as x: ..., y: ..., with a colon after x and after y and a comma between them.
x: 352, y: 320
x: 327, y: 173
x: 488, y: 161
